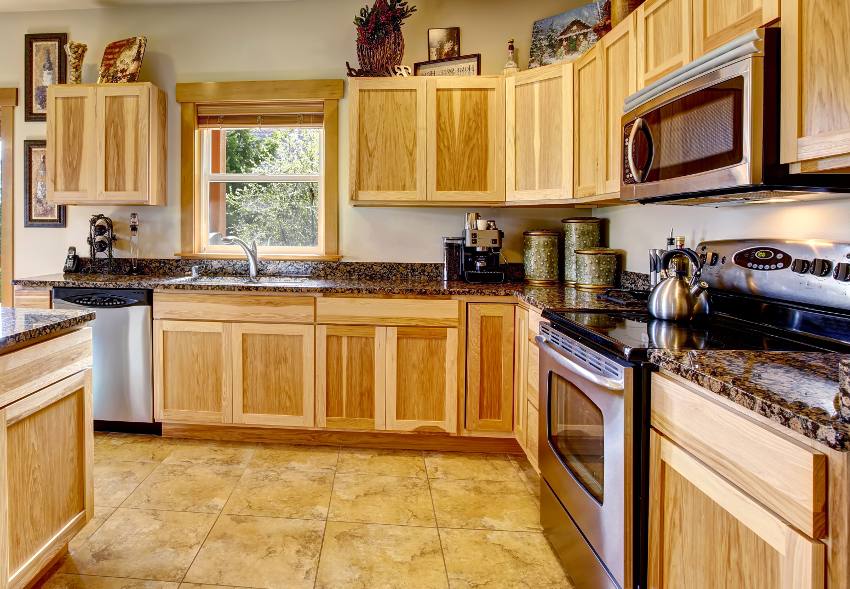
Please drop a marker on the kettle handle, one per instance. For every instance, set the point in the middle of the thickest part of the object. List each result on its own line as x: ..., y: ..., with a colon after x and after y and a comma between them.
x: 687, y: 252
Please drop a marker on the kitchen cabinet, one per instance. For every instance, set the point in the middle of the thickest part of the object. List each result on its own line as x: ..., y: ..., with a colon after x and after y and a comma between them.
x: 520, y: 369
x: 587, y: 114
x: 273, y: 374
x: 106, y: 144
x: 490, y: 367
x: 422, y: 379
x: 33, y: 298
x: 664, y: 38
x: 716, y: 22
x: 539, y: 134
x: 350, y: 376
x: 815, y: 112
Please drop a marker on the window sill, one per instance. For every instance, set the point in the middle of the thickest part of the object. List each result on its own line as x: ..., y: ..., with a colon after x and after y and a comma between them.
x: 263, y: 257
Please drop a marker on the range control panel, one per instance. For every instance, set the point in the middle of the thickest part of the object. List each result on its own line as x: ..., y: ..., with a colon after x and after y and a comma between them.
x: 811, y: 271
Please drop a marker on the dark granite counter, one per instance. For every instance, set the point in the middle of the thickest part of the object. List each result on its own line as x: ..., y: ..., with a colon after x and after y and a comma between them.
x: 19, y: 326
x: 808, y: 392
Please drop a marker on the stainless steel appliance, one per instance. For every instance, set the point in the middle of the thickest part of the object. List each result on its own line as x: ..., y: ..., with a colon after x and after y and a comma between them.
x: 122, y: 374
x: 767, y: 295
x: 708, y: 134
x: 481, y: 261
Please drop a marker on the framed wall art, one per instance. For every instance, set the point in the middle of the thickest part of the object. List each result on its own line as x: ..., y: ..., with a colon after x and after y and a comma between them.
x: 38, y: 212
x: 465, y: 65
x: 443, y: 43
x: 567, y: 36
x: 45, y: 63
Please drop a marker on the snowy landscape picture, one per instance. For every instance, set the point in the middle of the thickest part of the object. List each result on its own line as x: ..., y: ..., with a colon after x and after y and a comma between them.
x: 565, y: 37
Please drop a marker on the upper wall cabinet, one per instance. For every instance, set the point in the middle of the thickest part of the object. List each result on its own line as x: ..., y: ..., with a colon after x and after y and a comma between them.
x: 663, y: 37
x: 106, y: 144
x: 815, y: 85
x: 587, y: 114
x: 539, y: 134
x: 717, y: 22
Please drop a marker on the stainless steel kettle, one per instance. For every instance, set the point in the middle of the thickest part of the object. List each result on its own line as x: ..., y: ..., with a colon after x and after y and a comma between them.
x: 675, y: 299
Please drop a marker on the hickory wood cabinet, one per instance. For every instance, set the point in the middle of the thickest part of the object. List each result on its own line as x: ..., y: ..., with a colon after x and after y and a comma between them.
x: 717, y: 22
x: 526, y: 385
x: 106, y: 144
x: 664, y: 38
x: 490, y: 367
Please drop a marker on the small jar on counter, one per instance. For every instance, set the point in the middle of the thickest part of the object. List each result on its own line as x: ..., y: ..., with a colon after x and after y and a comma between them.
x: 579, y: 233
x: 596, y: 269
x: 540, y: 257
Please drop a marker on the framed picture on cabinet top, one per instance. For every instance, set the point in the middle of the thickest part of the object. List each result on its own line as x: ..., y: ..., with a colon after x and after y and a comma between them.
x: 443, y: 43
x: 465, y: 65
x: 38, y: 212
x: 45, y: 63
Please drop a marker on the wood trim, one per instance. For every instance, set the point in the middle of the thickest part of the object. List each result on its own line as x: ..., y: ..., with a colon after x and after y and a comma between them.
x: 259, y: 91
x: 329, y: 239
x: 8, y: 99
x: 197, y: 306
x: 190, y: 161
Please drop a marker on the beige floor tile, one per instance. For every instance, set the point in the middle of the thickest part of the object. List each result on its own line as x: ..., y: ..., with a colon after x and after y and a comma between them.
x: 303, y: 494
x: 478, y: 467
x: 114, y: 481
x: 381, y: 500
x: 212, y: 454
x: 142, y: 544
x: 185, y: 487
x: 101, y: 514
x: 491, y: 505
x: 370, y: 556
x: 396, y: 463
x: 204, y: 586
x: 259, y: 552
x: 131, y: 448
x: 482, y: 559
x: 528, y: 475
x: 297, y: 457
x: 64, y: 581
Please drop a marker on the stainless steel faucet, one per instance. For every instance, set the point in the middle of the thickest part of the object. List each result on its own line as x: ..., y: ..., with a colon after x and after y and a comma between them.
x: 250, y: 252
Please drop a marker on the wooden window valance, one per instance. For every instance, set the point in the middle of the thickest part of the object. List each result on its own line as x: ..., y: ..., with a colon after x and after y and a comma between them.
x: 246, y: 114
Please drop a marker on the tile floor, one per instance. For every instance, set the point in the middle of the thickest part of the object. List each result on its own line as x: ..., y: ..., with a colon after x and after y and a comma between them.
x: 193, y: 514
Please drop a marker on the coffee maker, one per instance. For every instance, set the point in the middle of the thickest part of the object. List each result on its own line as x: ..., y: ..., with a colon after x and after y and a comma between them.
x: 481, y: 261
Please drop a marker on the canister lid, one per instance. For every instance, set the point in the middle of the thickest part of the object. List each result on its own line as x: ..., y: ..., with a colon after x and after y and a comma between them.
x: 587, y: 220
x: 595, y: 251
x: 542, y: 232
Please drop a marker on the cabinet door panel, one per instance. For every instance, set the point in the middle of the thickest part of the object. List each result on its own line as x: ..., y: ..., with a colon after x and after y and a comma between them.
x: 192, y: 372
x: 71, y: 143
x: 717, y: 22
x: 588, y: 113
x: 388, y: 139
x: 273, y: 374
x: 490, y: 343
x: 705, y: 532
x: 350, y: 376
x: 421, y: 388
x: 124, y: 141
x: 520, y: 367
x: 466, y: 139
x: 663, y: 38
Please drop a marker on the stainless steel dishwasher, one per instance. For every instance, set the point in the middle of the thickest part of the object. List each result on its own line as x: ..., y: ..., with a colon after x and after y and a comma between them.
x: 122, y: 374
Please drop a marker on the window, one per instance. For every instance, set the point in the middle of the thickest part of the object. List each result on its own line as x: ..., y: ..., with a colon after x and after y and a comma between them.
x: 259, y: 161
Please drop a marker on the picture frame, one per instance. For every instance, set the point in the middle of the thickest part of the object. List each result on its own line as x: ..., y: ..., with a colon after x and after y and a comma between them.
x: 443, y: 43
x: 464, y: 65
x: 45, y: 63
x: 565, y: 37
x: 37, y: 211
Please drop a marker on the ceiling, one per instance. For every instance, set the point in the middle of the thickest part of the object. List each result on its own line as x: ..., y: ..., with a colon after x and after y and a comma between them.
x: 38, y: 5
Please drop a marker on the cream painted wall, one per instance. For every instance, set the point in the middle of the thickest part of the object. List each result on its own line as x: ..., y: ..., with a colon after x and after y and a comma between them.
x: 288, y: 40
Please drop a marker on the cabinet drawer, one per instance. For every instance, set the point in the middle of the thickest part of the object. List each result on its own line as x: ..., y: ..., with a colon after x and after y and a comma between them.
x: 785, y: 475
x: 242, y: 307
x: 370, y: 311
x: 533, y: 374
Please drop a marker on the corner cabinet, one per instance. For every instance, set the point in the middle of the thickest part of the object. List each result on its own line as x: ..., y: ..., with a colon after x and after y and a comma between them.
x: 106, y: 144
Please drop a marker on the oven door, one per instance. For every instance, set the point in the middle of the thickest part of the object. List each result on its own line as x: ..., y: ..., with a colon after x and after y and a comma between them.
x: 585, y: 450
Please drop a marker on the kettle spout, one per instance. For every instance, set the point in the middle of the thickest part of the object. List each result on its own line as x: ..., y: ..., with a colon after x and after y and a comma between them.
x: 699, y: 288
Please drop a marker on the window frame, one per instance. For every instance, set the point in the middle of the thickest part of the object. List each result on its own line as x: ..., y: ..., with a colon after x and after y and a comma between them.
x: 8, y: 102
x: 193, y: 234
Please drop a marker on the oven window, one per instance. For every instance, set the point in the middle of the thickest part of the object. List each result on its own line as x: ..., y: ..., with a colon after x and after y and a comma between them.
x: 576, y: 432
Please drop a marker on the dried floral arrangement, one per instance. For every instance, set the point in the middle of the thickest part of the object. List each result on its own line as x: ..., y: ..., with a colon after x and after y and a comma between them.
x: 380, y: 44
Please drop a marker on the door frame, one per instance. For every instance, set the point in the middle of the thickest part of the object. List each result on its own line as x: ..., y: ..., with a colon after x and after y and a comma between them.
x: 8, y: 102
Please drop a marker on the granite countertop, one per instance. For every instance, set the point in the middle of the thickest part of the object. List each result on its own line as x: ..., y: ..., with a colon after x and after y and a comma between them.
x: 808, y: 392
x: 19, y: 326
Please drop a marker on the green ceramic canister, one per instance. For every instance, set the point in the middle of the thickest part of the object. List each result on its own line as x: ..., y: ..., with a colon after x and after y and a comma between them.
x: 540, y: 256
x: 596, y: 269
x: 579, y: 233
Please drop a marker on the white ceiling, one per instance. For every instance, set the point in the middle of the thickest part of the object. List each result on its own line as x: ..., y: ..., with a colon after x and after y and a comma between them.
x: 37, y: 5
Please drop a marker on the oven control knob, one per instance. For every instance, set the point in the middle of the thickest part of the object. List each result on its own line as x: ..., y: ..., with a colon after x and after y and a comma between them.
x: 821, y: 267
x: 842, y: 272
x: 801, y: 266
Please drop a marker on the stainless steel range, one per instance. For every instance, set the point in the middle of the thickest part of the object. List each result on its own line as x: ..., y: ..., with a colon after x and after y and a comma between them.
x: 767, y: 295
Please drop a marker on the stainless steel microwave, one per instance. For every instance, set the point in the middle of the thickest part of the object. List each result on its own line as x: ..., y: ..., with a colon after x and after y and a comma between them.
x: 709, y: 133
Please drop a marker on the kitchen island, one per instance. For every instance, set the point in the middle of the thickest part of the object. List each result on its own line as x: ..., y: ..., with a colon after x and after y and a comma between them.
x: 46, y: 438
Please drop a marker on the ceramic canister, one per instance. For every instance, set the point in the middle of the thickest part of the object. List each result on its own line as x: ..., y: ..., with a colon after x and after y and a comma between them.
x: 579, y: 233
x: 540, y: 256
x: 596, y: 269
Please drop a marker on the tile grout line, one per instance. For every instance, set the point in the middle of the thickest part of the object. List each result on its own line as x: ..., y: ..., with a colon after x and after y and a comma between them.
x: 437, y: 523
x: 327, y: 515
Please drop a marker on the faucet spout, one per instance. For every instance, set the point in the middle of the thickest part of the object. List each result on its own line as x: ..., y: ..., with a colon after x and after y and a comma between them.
x: 250, y: 253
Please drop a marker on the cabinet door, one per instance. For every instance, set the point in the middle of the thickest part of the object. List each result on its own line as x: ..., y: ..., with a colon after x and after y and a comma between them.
x: 273, y: 373
x: 663, y: 38
x: 489, y: 367
x: 387, y: 137
x: 466, y: 139
x: 587, y: 113
x: 46, y: 459
x: 539, y: 130
x: 716, y: 22
x: 520, y: 367
x: 123, y: 132
x: 350, y: 376
x: 705, y: 532
x: 422, y: 377
x: 192, y: 371
x: 71, y: 143
x: 815, y: 84
x: 620, y: 80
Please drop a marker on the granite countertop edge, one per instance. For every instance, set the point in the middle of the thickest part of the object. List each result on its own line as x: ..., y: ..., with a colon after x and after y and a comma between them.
x: 19, y: 326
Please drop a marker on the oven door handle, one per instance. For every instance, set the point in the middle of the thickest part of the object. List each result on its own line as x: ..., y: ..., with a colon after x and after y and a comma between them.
x: 609, y: 383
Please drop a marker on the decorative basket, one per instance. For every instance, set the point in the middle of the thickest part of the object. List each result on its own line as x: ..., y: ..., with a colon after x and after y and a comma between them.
x: 379, y: 59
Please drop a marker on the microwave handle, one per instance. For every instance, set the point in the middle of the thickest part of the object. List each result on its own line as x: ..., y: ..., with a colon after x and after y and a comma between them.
x: 640, y: 125
x: 576, y: 368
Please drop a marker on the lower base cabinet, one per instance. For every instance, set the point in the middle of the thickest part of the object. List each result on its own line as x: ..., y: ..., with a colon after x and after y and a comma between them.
x: 490, y: 368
